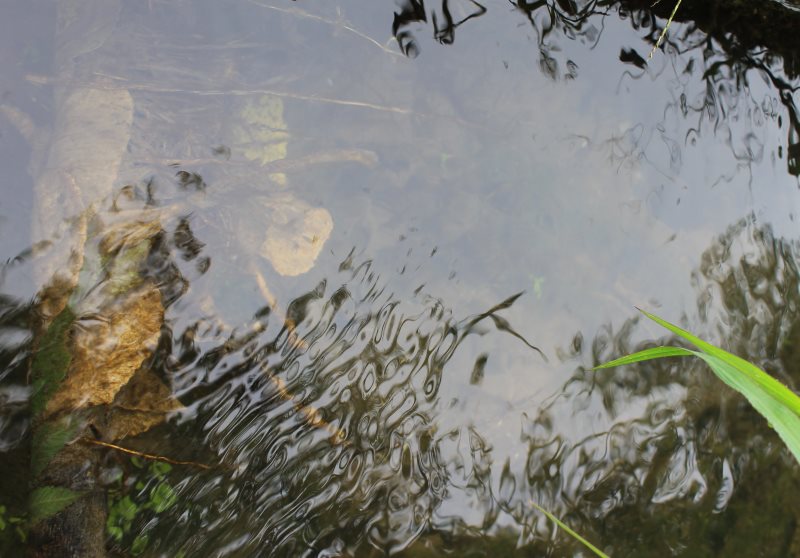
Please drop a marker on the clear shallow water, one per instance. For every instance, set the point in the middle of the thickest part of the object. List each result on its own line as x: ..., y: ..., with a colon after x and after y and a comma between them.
x: 405, y: 413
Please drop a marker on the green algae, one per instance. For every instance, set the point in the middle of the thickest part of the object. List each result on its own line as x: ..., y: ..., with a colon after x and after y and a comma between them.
x: 51, y: 360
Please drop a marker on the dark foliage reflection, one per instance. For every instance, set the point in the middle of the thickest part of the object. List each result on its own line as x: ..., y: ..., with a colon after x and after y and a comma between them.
x: 683, y: 461
x: 726, y: 43
x: 443, y: 21
x: 321, y: 419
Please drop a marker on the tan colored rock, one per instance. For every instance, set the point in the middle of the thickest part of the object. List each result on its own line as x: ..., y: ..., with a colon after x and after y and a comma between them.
x: 108, y: 350
x: 139, y: 406
x: 295, y: 234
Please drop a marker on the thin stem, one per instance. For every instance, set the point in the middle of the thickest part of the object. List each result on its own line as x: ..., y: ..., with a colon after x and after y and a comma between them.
x: 145, y: 455
x: 664, y: 32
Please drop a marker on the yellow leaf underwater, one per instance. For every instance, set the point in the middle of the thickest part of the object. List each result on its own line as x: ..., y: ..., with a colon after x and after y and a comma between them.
x: 108, y: 350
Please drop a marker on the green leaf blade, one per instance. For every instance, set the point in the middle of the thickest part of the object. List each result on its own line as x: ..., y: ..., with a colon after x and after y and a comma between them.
x: 772, y: 399
x: 51, y: 360
x: 783, y: 419
x: 647, y: 354
x: 767, y: 382
x: 47, y: 501
x: 572, y: 533
x: 48, y: 440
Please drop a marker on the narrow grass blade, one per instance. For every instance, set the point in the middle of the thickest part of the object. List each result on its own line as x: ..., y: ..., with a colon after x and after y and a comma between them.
x: 772, y: 386
x: 664, y: 32
x: 572, y: 533
x: 647, y: 354
x: 782, y: 418
x: 773, y: 400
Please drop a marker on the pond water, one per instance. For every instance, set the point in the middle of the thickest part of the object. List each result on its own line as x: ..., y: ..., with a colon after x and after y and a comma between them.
x: 391, y: 239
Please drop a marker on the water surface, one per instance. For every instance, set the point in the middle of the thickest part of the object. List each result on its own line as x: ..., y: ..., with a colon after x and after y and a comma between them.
x: 414, y: 404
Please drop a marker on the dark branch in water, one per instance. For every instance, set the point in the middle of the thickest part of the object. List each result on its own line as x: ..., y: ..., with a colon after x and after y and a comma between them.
x: 502, y: 324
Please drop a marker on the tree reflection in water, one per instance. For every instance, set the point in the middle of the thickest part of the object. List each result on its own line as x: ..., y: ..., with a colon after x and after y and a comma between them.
x: 660, y: 449
x: 322, y: 417
x: 324, y: 422
x: 726, y: 41
x: 683, y: 462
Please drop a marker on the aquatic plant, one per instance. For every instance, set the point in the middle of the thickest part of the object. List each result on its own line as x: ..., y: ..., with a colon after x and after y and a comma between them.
x: 773, y: 400
x: 7, y: 522
x: 152, y: 493
x: 570, y: 532
x: 666, y: 28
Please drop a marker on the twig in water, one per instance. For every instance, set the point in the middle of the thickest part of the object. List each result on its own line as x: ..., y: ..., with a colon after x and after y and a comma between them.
x: 145, y: 455
x: 336, y: 23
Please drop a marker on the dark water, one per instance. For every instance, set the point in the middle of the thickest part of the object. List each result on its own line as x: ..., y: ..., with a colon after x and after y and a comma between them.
x: 398, y: 397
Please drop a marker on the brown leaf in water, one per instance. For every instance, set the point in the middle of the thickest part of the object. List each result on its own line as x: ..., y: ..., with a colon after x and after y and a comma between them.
x: 108, y: 351
x: 139, y: 406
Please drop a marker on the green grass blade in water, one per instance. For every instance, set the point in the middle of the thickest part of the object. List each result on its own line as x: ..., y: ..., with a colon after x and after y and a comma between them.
x: 783, y: 419
x: 770, y: 384
x: 572, y: 533
x: 647, y: 354
x: 777, y: 403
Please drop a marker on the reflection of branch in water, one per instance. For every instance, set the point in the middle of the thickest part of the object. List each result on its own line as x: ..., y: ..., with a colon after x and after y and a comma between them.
x: 413, y: 11
x: 501, y: 323
x: 110, y: 82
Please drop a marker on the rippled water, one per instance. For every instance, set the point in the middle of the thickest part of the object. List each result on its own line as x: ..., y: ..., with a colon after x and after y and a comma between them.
x: 505, y: 182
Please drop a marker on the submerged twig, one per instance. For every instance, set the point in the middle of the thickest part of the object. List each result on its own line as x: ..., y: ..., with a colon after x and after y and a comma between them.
x: 292, y: 339
x: 361, y: 156
x: 340, y: 23
x: 108, y: 82
x: 311, y: 415
x: 145, y: 455
x: 22, y: 122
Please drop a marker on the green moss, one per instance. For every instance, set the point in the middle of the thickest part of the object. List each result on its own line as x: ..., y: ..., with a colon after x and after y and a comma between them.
x: 48, y: 440
x: 124, y: 269
x: 51, y: 361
